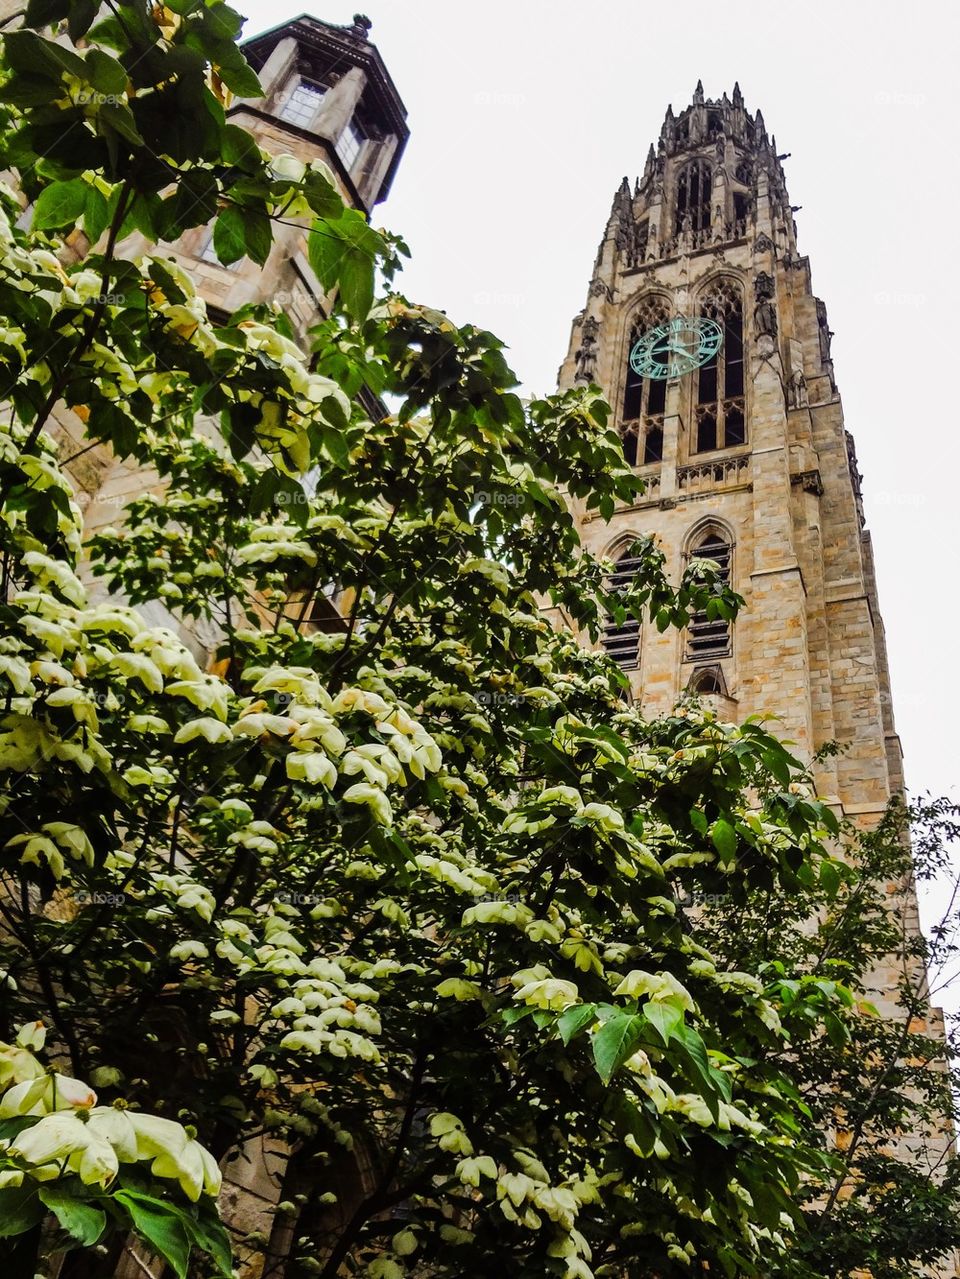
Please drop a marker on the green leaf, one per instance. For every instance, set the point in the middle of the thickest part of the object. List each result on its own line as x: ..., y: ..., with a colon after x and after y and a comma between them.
x: 120, y: 119
x: 80, y: 18
x: 258, y: 235
x: 209, y: 1233
x: 96, y: 214
x: 574, y: 1019
x: 323, y: 198
x: 724, y: 839
x: 79, y: 1218
x: 59, y: 205
x: 105, y: 73
x: 20, y: 1209
x: 161, y: 1225
x: 229, y: 235
x: 335, y: 446
x: 240, y: 148
x: 356, y: 283
x: 696, y: 1057
x: 837, y: 1032
x: 614, y: 1043
x: 241, y: 80
x: 325, y: 250
x: 663, y: 1017
x: 777, y: 762
x: 41, y: 13
x: 829, y: 878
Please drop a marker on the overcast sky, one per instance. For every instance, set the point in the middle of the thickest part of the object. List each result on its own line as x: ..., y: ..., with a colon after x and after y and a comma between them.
x: 525, y: 115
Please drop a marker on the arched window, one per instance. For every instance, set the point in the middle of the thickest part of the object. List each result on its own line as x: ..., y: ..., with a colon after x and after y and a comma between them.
x: 644, y: 399
x: 621, y: 640
x: 709, y: 637
x: 720, y: 421
x: 693, y: 198
x: 707, y: 681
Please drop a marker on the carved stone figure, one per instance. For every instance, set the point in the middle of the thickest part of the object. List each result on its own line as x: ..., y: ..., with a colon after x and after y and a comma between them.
x: 797, y: 391
x: 586, y: 356
x: 826, y: 333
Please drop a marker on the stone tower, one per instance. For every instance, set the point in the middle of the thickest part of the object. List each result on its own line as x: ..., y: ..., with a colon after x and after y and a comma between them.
x: 746, y: 460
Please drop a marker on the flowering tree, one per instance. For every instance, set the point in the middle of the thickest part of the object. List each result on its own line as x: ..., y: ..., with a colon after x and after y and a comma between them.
x: 61, y: 1158
x: 397, y: 890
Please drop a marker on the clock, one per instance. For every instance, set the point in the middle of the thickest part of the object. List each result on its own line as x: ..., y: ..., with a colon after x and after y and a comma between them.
x: 676, y: 347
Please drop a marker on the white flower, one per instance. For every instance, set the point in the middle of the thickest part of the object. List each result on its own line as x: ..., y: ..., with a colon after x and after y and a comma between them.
x: 373, y: 797
x: 138, y: 666
x: 312, y: 767
x: 111, y: 1124
x: 657, y: 986
x: 471, y: 1170
x: 551, y: 993
x: 206, y: 727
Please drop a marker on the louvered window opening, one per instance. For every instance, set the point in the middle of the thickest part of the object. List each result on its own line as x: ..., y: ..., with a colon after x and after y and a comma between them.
x: 621, y: 641
x: 710, y: 637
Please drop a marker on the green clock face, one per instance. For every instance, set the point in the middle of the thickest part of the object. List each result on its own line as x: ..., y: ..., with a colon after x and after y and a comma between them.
x: 675, y: 348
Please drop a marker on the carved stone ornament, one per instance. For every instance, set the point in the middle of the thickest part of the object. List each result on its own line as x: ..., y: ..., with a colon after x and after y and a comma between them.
x: 763, y: 243
x: 586, y: 356
x: 797, y: 397
x: 763, y: 286
x: 826, y: 333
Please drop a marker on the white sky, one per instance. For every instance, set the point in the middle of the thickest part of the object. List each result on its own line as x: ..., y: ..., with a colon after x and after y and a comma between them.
x: 524, y: 117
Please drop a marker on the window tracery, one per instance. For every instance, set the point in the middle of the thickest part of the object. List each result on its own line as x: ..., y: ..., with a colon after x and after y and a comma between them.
x: 644, y: 399
x: 720, y: 421
x: 694, y: 186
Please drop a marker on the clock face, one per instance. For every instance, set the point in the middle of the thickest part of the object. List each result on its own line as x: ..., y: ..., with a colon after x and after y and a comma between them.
x: 675, y: 348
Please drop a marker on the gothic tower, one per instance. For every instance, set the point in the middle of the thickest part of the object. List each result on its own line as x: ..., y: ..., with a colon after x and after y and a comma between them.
x: 746, y: 459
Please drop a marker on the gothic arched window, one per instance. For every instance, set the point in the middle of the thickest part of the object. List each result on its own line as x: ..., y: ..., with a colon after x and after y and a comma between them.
x: 707, y: 680
x: 644, y: 399
x: 621, y: 640
x: 720, y: 419
x: 694, y: 186
x: 709, y: 637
